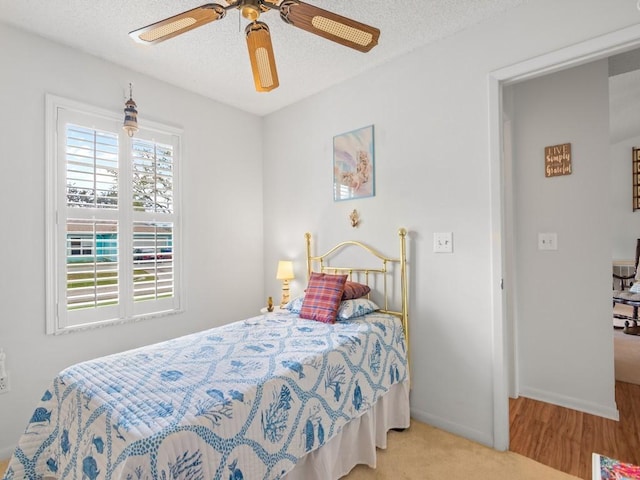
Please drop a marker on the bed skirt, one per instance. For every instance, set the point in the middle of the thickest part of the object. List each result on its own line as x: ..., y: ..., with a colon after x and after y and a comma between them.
x: 357, y: 442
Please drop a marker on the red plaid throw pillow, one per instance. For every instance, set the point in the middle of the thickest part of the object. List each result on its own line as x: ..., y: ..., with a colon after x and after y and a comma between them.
x: 354, y: 290
x: 322, y: 297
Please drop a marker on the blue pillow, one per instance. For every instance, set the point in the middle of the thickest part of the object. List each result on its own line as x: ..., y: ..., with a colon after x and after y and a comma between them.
x: 356, y: 307
x: 295, y: 305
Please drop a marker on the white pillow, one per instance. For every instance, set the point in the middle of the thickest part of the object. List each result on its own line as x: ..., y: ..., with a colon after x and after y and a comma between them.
x: 635, y: 288
x: 356, y: 307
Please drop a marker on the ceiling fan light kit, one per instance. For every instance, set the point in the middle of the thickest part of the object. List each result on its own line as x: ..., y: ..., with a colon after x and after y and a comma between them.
x: 323, y: 23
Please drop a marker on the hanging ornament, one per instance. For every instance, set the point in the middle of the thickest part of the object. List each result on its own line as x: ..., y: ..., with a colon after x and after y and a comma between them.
x: 130, y: 115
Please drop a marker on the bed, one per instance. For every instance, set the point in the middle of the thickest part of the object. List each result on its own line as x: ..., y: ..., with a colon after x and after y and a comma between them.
x: 270, y: 397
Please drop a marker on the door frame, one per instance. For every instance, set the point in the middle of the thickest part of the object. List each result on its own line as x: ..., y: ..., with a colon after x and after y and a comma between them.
x: 502, y: 269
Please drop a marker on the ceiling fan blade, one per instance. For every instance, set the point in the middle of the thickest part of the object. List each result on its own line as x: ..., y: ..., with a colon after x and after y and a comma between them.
x: 172, y: 26
x: 329, y: 25
x: 263, y: 62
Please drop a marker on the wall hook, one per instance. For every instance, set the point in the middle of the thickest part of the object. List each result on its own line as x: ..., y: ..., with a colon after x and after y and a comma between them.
x: 355, y: 218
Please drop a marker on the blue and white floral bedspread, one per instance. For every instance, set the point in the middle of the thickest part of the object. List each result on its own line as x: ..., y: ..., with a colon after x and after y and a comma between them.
x: 242, y: 401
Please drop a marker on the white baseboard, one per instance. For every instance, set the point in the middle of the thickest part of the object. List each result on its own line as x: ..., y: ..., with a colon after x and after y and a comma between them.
x: 610, y: 411
x: 451, y: 427
x: 6, y: 452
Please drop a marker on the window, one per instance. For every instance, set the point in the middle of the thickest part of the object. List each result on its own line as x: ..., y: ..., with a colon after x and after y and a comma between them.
x: 112, y: 218
x: 80, y: 245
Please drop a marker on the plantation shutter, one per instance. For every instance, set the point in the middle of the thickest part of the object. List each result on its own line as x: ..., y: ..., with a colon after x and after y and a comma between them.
x: 92, y: 245
x: 112, y: 219
x: 152, y: 165
x: 92, y: 168
x: 89, y: 223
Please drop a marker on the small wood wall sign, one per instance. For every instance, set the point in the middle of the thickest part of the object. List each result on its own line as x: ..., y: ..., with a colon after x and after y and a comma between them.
x: 636, y: 178
x: 557, y: 160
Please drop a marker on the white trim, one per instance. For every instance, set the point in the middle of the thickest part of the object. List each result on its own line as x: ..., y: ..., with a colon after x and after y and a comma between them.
x: 54, y: 107
x: 7, y: 452
x: 51, y: 136
x: 459, y: 429
x: 500, y: 380
x: 74, y: 105
x: 134, y: 319
x: 588, y: 51
x: 584, y: 52
x: 610, y: 412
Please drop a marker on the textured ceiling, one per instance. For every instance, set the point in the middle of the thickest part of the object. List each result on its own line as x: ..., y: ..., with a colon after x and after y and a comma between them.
x: 212, y: 60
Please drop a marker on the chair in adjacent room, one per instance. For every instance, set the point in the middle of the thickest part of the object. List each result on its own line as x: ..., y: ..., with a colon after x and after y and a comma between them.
x: 625, y: 293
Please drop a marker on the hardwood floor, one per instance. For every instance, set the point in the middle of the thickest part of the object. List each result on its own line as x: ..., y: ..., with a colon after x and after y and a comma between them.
x: 564, y: 439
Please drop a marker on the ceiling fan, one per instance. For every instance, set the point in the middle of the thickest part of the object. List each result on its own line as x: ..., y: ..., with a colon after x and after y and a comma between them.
x: 329, y: 25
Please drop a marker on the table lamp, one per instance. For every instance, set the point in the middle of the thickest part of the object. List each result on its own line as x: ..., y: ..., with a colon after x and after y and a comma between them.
x: 285, y: 273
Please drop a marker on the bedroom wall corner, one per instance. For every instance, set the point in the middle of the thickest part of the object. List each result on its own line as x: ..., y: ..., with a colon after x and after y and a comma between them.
x: 430, y: 113
x: 222, y: 213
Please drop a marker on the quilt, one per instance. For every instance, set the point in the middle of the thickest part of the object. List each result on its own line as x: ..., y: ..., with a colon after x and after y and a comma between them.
x: 241, y: 401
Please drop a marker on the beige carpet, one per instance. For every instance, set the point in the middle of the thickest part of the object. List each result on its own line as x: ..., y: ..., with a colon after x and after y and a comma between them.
x: 427, y: 453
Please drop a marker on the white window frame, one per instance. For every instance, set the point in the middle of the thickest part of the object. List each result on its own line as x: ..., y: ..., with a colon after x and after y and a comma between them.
x: 59, y: 111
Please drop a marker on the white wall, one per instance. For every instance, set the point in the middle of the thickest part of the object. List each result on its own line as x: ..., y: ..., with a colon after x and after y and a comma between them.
x: 624, y: 121
x: 430, y: 111
x: 563, y: 309
x: 625, y: 223
x: 222, y: 214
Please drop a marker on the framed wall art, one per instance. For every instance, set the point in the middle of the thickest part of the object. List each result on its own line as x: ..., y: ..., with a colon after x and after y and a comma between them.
x: 636, y: 178
x: 353, y: 162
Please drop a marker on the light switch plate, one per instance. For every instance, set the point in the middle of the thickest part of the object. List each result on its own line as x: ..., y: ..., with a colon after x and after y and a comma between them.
x: 547, y: 241
x: 443, y: 242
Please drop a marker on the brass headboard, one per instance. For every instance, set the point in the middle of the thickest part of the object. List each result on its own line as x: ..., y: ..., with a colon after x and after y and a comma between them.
x: 383, y: 270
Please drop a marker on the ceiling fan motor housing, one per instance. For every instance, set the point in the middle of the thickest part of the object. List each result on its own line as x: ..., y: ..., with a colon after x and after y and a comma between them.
x: 250, y: 9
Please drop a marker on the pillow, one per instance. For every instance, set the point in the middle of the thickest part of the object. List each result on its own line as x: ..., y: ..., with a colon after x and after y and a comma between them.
x: 351, y: 290
x: 635, y: 288
x: 322, y: 297
x: 348, y: 308
x: 356, y: 307
x: 295, y: 305
x: 354, y: 290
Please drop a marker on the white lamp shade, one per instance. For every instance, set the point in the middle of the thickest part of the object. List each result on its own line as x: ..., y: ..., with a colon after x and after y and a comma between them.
x: 285, y: 270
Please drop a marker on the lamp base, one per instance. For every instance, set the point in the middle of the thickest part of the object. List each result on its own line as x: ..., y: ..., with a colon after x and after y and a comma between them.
x: 285, y: 293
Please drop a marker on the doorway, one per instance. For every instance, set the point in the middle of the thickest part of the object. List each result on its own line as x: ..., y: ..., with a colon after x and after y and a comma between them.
x: 505, y: 371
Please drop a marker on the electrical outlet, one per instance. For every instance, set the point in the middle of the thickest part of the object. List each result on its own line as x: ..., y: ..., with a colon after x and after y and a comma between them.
x: 4, y: 384
x: 547, y: 241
